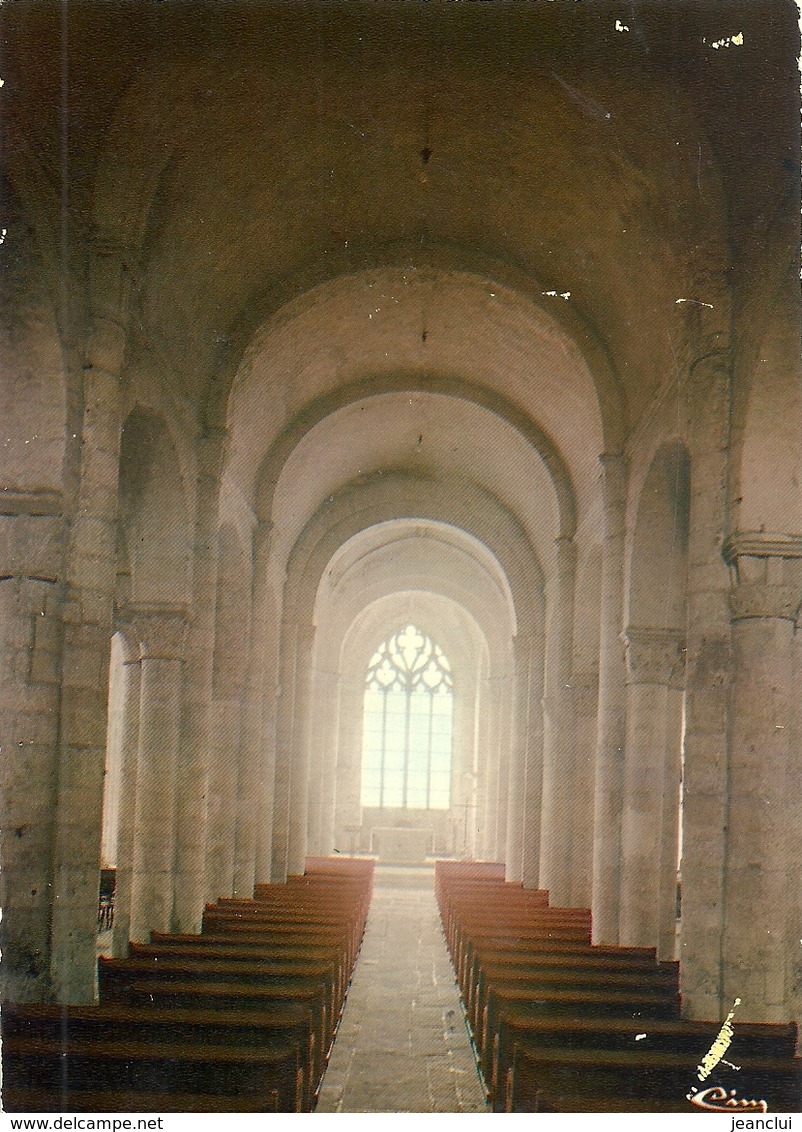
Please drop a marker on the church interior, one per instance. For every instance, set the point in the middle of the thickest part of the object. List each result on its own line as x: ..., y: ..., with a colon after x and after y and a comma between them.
x: 400, y: 457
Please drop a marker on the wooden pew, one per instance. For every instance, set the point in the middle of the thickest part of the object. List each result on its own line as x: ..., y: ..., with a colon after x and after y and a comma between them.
x: 535, y: 933
x: 118, y: 976
x: 661, y: 979
x: 274, y: 1076
x: 516, y: 959
x: 201, y: 948
x: 291, y: 1025
x: 521, y: 1024
x: 55, y: 1099
x: 236, y: 1019
x: 549, y: 999
x: 592, y: 1080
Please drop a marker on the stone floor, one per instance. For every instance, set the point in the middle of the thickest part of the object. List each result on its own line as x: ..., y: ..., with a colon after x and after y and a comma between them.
x: 402, y: 1044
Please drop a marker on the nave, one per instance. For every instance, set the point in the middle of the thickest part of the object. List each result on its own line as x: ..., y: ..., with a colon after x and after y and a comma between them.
x: 402, y: 1045
x: 400, y: 458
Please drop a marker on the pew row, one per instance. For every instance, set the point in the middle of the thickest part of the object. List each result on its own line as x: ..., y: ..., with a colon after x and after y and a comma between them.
x: 561, y: 1025
x: 238, y: 1018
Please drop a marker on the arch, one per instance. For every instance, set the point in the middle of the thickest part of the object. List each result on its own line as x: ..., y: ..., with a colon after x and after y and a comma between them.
x: 766, y: 452
x: 376, y: 386
x: 438, y: 258
x: 396, y: 495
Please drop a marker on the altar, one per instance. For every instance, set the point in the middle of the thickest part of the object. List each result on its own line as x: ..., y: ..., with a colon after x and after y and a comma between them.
x: 401, y: 845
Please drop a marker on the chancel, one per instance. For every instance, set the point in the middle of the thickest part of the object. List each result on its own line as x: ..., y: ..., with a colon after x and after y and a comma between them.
x: 400, y: 555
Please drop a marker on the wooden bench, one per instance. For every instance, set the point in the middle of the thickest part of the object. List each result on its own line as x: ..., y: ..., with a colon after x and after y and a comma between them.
x: 291, y: 1025
x: 518, y: 960
x: 57, y: 1099
x: 549, y: 1000
x: 239, y: 997
x: 659, y: 981
x: 270, y: 931
x: 524, y: 1025
x: 202, y: 948
x: 239, y: 1018
x: 609, y: 1078
x: 543, y: 934
x: 273, y: 1075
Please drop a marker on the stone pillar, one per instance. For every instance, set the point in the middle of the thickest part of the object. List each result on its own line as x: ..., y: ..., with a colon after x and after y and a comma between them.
x: 762, y: 895
x: 650, y: 825
x: 503, y: 746
x: 331, y: 755
x: 559, y: 747
x: 154, y: 881
x: 300, y: 751
x: 526, y: 764
x: 533, y: 791
x: 226, y: 719
x: 254, y: 832
x: 488, y: 768
x: 584, y: 697
x: 285, y: 704
x: 31, y: 552
x: 323, y: 726
x: 131, y: 677
x: 348, y: 808
x: 608, y: 791
x: 193, y: 773
x: 707, y: 689
x: 91, y: 578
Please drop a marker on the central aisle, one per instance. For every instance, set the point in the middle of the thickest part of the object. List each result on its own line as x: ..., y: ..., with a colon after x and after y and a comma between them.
x: 402, y: 1045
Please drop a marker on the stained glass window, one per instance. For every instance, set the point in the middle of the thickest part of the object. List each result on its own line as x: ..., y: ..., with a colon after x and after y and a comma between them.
x: 406, y: 746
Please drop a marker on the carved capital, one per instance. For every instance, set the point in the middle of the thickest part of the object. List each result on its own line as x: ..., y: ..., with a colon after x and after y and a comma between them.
x: 655, y: 656
x: 760, y: 544
x: 766, y: 570
x: 757, y: 599
x: 160, y: 629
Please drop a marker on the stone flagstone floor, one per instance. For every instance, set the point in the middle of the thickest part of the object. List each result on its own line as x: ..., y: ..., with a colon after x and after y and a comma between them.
x: 402, y: 1044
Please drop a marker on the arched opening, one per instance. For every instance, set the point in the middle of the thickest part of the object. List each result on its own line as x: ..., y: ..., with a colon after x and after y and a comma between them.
x: 407, y: 730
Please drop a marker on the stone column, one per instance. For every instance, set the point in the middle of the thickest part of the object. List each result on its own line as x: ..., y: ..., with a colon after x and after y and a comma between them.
x: 91, y: 578
x: 300, y: 751
x: 762, y: 895
x: 323, y: 726
x: 193, y: 772
x: 254, y: 832
x: 348, y: 808
x: 331, y: 755
x: 285, y: 704
x: 154, y: 884
x: 526, y: 764
x: 650, y: 825
x: 558, y: 745
x: 707, y: 687
x: 131, y: 676
x: 488, y: 768
x: 584, y: 696
x: 503, y: 746
x: 612, y: 710
x: 31, y: 552
x: 533, y: 791
x: 224, y: 767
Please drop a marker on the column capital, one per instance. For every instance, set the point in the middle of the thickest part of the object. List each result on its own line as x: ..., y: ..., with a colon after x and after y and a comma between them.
x: 160, y: 629
x: 655, y: 656
x: 766, y: 570
x: 760, y: 544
